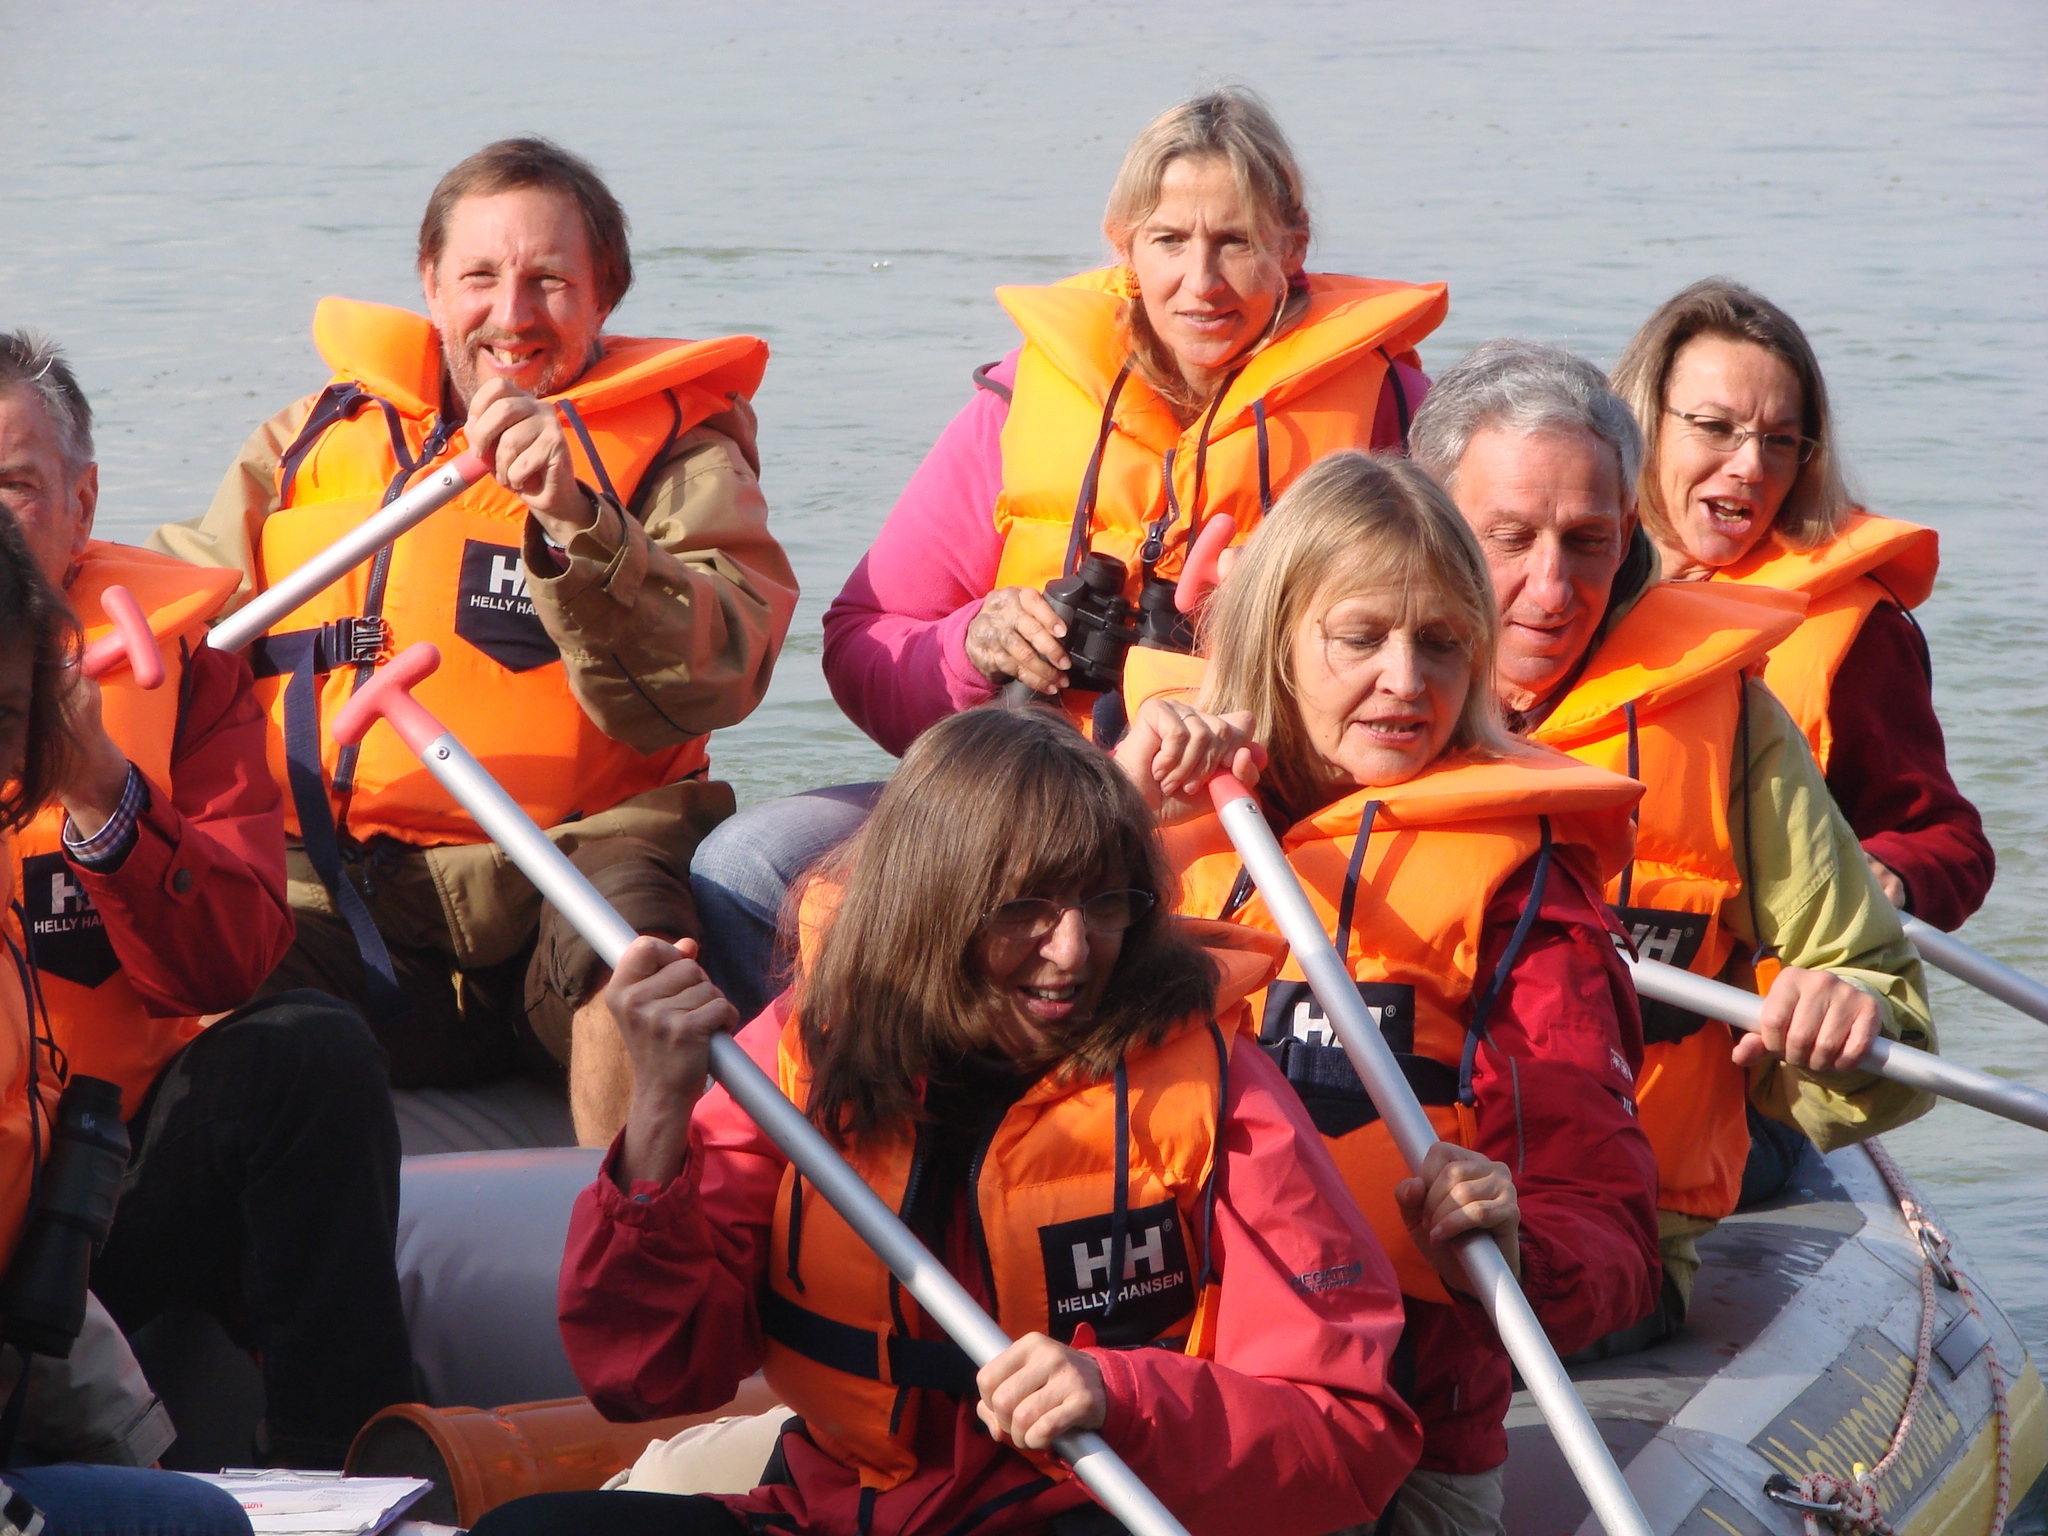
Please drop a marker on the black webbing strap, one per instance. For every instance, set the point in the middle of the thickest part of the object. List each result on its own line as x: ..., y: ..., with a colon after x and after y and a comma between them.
x: 575, y: 420
x: 1120, y: 1190
x: 297, y: 657
x: 1084, y: 505
x: 933, y: 1364
x: 1475, y: 1031
x: 996, y: 387
x: 1635, y: 771
x: 1401, y: 412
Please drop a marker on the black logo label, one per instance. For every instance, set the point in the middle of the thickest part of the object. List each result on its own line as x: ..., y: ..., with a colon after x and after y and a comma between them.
x: 1304, y: 1045
x: 1659, y: 933
x: 494, y: 612
x: 1155, y: 1291
x: 65, y: 933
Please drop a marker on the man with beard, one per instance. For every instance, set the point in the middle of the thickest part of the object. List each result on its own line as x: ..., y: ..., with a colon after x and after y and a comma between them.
x: 604, y: 599
x: 1744, y: 870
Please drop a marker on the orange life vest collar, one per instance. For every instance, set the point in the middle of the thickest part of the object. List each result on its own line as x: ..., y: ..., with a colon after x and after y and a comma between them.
x: 1077, y: 323
x: 396, y: 354
x: 1679, y: 637
x: 1904, y: 557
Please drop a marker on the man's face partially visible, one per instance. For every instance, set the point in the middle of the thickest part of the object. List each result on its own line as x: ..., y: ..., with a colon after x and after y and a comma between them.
x: 1553, y: 520
x: 52, y: 505
x: 514, y: 294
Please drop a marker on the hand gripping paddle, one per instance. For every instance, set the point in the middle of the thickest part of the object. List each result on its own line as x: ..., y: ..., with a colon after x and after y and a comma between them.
x: 256, y: 616
x: 1885, y: 1058
x: 1491, y: 1280
x: 387, y: 694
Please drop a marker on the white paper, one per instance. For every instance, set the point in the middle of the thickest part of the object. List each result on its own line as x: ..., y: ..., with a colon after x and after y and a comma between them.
x: 284, y: 1503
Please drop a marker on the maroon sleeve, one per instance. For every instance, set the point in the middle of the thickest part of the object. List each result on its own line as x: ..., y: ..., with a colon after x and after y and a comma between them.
x: 896, y: 636
x: 660, y: 1283
x: 1888, y: 771
x: 196, y: 912
x: 1297, y: 1396
x: 1555, y: 1083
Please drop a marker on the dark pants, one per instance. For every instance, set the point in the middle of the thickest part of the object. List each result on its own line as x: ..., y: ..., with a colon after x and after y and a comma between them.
x: 461, y: 1027
x: 610, y: 1514
x: 264, y: 1188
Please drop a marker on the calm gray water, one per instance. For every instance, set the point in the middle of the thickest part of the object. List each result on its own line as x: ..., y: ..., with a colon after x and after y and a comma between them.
x: 180, y: 183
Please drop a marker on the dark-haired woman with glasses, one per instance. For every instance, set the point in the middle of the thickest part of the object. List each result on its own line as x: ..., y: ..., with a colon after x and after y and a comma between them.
x: 1016, y: 1045
x: 1742, y: 482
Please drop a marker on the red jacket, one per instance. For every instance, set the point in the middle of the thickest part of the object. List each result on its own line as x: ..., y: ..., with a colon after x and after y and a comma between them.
x: 1889, y: 773
x: 1291, y: 1428
x: 1553, y: 1081
x: 203, y: 944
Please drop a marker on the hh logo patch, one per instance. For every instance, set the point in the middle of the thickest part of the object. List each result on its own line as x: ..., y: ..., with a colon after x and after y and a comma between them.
x: 1659, y: 933
x: 1303, y: 1043
x: 1155, y: 1291
x: 494, y: 611
x: 65, y: 932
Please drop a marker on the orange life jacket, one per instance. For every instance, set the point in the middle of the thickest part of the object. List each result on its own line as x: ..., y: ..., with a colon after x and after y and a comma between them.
x: 458, y: 578
x: 849, y: 1350
x: 96, y: 1018
x: 28, y: 1081
x: 1663, y: 700
x: 1092, y: 452
x: 1872, y: 560
x: 1402, y: 876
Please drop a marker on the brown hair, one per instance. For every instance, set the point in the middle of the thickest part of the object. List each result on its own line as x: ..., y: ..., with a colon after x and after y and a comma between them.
x: 1234, y: 126
x: 34, y: 617
x: 988, y: 806
x: 1818, y: 503
x: 512, y: 164
x: 1349, y: 522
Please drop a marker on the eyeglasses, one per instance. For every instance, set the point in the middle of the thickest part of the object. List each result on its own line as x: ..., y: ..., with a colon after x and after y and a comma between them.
x: 1033, y: 917
x: 1726, y: 437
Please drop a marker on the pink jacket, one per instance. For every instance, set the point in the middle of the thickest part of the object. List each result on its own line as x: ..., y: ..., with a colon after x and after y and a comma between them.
x: 896, y: 636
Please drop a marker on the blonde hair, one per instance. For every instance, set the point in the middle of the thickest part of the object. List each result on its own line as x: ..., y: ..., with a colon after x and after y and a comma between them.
x: 1819, y: 503
x: 1349, y: 523
x: 1232, y: 125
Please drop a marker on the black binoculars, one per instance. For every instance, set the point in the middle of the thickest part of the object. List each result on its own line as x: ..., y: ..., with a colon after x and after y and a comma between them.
x: 42, y: 1298
x: 1100, y: 630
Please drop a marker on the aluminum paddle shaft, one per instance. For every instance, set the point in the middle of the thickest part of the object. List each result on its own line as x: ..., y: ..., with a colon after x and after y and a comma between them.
x: 1987, y: 975
x: 942, y: 1297
x: 1491, y: 1280
x: 256, y: 616
x: 1886, y: 1058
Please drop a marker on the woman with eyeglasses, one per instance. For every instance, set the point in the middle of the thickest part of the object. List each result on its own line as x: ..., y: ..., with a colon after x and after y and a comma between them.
x: 1459, y: 872
x: 999, y: 1022
x: 1742, y: 481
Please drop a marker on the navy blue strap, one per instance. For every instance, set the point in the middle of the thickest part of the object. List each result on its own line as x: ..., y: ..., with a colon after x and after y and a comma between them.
x: 295, y: 654
x: 575, y: 419
x: 935, y: 1365
x: 1635, y: 771
x: 1120, y: 1192
x: 1483, y: 1004
x: 1400, y: 395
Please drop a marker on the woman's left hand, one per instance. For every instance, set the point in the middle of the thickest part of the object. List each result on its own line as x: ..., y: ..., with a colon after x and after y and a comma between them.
x: 1037, y: 1390
x: 1814, y: 1020
x: 1172, y: 750
x: 1460, y: 1191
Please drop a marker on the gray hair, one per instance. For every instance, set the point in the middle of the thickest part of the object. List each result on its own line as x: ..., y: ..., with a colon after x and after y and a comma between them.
x: 36, y: 363
x: 1525, y: 388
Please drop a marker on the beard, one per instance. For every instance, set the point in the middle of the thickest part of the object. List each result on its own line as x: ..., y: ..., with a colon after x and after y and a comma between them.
x: 467, y: 375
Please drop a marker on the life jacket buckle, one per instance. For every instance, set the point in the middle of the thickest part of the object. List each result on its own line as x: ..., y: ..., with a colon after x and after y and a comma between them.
x: 362, y: 639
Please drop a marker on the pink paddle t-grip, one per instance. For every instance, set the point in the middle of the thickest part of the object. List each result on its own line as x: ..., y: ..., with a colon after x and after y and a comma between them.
x: 472, y: 466
x: 388, y: 693
x: 1226, y: 787
x: 131, y: 642
x: 1198, y: 573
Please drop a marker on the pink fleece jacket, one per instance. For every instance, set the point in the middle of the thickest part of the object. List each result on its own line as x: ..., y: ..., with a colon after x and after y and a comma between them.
x: 896, y: 636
